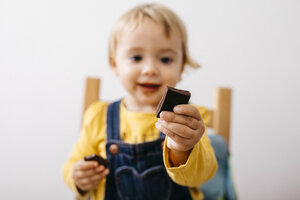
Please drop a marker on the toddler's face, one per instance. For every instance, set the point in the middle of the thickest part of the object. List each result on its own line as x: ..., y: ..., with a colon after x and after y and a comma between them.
x: 147, y: 61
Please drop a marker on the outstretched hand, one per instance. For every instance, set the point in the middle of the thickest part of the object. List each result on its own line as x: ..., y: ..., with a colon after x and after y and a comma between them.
x: 184, y: 127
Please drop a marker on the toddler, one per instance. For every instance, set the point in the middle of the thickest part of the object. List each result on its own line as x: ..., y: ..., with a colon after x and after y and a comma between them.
x: 150, y: 158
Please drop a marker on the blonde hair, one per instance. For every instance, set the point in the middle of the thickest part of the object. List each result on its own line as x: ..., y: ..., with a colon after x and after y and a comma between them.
x: 159, y: 14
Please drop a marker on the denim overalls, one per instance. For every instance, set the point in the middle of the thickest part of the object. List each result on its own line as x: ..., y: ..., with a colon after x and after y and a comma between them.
x: 137, y: 171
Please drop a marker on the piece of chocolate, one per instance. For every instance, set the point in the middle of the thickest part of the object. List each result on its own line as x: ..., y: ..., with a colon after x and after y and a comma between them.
x: 171, y: 98
x: 99, y: 159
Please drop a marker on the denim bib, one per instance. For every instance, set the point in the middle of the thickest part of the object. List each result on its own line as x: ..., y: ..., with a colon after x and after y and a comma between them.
x: 137, y: 171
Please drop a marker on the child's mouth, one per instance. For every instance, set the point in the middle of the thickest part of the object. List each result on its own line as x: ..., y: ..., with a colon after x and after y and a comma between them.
x: 149, y: 87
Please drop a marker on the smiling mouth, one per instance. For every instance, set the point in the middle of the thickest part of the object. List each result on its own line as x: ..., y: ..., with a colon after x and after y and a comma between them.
x: 149, y: 85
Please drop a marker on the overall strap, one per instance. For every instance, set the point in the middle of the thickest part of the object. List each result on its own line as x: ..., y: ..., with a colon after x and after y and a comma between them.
x: 113, y: 121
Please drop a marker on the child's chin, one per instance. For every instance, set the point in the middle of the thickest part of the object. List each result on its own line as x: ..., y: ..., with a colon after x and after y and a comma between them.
x: 153, y: 101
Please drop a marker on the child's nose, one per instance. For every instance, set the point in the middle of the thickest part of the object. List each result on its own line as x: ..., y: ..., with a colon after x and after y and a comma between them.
x: 150, y: 69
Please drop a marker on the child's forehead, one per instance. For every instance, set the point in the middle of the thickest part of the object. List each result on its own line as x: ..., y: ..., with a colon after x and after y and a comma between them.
x: 149, y: 31
x: 136, y: 25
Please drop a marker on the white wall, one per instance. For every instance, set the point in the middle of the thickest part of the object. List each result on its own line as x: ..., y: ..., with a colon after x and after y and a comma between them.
x: 47, y: 48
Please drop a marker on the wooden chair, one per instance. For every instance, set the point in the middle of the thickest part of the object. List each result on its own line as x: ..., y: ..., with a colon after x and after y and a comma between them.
x: 220, y: 120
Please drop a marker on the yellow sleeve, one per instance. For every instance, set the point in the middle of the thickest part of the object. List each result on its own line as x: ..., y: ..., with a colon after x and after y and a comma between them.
x: 91, y: 137
x: 200, y: 166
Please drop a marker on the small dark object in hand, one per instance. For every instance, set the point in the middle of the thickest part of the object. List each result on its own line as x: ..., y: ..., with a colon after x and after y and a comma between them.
x: 171, y: 98
x: 99, y: 159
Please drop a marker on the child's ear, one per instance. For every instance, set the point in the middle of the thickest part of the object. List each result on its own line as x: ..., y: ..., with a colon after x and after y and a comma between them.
x: 113, y: 65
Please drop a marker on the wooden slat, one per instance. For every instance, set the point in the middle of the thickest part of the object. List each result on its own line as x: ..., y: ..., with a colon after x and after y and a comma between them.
x: 209, y: 123
x: 222, y: 112
x: 92, y: 86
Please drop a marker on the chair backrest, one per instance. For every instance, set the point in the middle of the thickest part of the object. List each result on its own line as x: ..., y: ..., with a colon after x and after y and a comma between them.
x: 221, y: 111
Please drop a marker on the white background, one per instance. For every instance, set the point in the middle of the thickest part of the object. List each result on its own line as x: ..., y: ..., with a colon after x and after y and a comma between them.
x: 47, y: 48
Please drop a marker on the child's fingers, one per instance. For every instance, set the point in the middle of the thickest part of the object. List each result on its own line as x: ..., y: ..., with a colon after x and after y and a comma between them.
x: 177, y: 142
x: 99, y: 176
x: 100, y: 168
x: 87, y: 183
x: 181, y: 119
x: 85, y: 165
x: 178, y: 129
x: 188, y: 110
x: 89, y: 172
x: 170, y: 133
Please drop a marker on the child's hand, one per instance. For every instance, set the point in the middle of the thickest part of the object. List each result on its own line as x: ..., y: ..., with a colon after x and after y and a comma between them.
x: 184, y: 127
x: 88, y: 174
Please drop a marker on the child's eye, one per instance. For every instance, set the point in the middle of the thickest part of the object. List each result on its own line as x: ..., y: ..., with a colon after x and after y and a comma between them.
x: 136, y: 58
x: 166, y: 60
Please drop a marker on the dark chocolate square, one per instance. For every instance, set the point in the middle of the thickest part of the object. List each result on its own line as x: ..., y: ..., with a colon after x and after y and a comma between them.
x: 171, y: 98
x: 99, y: 159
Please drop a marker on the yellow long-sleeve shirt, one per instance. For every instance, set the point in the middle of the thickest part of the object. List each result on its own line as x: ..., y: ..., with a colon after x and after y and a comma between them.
x: 138, y: 127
